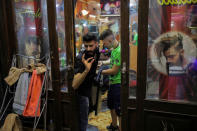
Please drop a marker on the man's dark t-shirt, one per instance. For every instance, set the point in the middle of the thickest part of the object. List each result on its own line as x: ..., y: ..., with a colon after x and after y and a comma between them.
x: 85, y: 88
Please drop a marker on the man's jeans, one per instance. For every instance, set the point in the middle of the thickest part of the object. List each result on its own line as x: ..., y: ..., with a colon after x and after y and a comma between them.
x: 83, y: 110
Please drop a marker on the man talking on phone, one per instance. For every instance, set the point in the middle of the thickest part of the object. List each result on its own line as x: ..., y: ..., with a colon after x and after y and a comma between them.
x: 85, y: 70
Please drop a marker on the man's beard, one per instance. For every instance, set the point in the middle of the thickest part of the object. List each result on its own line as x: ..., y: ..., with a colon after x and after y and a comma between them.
x: 89, y: 54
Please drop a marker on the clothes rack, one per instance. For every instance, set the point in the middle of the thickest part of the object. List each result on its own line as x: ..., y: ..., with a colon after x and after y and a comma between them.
x: 44, y: 88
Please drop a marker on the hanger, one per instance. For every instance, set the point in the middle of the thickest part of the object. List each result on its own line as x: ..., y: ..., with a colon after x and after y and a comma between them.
x: 36, y: 60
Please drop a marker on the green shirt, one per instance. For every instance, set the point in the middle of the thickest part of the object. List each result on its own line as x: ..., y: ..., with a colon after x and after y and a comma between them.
x: 115, y: 59
x: 135, y: 39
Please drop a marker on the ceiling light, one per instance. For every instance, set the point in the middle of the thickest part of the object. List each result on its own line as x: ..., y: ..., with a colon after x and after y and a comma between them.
x: 84, y: 12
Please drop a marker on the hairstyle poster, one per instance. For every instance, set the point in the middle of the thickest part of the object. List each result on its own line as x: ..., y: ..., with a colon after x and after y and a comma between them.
x: 172, y: 50
x: 110, y: 7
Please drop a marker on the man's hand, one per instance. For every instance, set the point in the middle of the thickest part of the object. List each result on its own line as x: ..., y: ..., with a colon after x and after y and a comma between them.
x: 79, y: 77
x: 100, y: 63
x: 87, y: 64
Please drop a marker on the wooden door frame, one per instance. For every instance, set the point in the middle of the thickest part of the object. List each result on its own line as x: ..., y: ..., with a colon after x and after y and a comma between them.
x: 143, y: 9
x: 7, y: 29
x: 136, y: 105
x: 124, y: 33
x: 8, y: 46
x: 54, y: 55
x: 69, y: 7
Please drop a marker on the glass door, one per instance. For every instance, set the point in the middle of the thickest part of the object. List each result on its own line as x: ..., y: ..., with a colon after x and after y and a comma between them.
x: 60, y: 25
x: 31, y: 30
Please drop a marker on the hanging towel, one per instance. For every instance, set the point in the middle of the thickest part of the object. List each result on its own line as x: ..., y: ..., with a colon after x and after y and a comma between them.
x: 21, y: 93
x: 34, y: 91
x: 12, y: 123
x: 15, y: 73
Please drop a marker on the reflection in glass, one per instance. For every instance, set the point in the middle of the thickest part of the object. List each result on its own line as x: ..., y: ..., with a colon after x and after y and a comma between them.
x: 133, y: 44
x: 31, y: 29
x: 172, y: 41
x: 61, y: 44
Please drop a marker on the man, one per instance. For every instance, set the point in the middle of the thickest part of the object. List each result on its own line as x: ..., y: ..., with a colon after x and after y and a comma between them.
x: 135, y: 38
x: 180, y: 80
x: 85, y: 70
x: 113, y: 100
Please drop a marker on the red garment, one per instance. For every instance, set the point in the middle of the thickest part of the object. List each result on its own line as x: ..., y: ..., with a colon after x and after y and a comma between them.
x: 34, y: 91
x: 175, y: 87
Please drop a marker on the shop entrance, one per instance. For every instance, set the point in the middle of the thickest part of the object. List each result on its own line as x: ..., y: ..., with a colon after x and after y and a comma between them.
x: 96, y: 16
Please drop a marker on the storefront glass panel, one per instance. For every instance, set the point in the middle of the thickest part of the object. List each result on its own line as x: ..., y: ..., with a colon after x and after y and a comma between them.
x: 61, y: 44
x: 32, y: 34
x: 32, y: 30
x: 172, y: 51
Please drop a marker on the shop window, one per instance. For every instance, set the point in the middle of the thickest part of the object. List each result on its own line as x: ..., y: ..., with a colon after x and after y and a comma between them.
x: 172, y: 42
x: 32, y: 30
x: 61, y: 44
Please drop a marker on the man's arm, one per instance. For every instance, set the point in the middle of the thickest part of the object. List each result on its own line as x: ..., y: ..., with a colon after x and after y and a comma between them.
x: 80, y: 77
x: 112, y: 71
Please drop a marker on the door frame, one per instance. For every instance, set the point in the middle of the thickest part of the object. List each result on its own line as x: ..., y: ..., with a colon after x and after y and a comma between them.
x: 69, y: 7
x: 141, y: 61
x: 124, y: 37
x: 54, y: 56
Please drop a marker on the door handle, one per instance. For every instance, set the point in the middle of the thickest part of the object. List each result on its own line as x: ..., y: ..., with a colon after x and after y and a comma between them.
x: 124, y: 68
x: 123, y: 71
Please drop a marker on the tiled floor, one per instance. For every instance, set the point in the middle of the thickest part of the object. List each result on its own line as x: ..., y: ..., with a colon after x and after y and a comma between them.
x: 100, y: 121
x: 103, y: 118
x: 92, y: 128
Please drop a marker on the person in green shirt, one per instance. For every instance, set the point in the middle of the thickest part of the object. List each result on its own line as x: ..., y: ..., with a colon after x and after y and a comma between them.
x: 135, y: 38
x: 113, y: 98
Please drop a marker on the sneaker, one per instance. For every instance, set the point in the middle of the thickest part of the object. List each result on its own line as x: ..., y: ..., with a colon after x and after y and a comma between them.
x: 112, y: 128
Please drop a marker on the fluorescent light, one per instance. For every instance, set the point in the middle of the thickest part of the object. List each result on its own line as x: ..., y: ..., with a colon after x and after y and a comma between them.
x: 93, y: 16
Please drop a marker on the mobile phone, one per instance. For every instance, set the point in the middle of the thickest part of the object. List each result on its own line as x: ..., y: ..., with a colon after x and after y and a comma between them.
x: 87, y: 55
